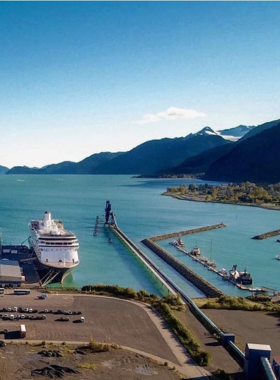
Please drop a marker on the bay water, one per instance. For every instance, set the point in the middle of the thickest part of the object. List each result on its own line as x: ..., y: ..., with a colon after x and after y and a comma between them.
x: 141, y: 212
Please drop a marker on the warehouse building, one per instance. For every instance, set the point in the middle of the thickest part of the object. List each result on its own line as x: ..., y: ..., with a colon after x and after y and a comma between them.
x: 10, y: 273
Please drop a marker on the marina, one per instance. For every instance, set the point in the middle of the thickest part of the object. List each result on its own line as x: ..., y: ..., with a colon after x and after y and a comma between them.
x: 141, y: 212
x: 231, y: 275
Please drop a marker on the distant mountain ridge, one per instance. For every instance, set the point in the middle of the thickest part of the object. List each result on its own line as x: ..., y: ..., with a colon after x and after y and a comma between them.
x: 3, y: 170
x: 254, y: 159
x: 68, y: 167
x: 152, y: 156
x: 192, y: 154
x: 197, y: 165
x: 236, y: 133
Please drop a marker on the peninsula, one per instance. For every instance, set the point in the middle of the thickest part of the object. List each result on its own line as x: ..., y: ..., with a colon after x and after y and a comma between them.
x: 244, y: 194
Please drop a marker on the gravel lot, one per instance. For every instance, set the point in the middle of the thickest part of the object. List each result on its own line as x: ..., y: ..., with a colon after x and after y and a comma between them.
x: 106, y: 320
x: 18, y: 361
x: 249, y: 327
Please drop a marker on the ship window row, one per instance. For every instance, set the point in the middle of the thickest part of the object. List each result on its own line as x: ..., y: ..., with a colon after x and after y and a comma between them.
x: 58, y: 243
x: 45, y: 249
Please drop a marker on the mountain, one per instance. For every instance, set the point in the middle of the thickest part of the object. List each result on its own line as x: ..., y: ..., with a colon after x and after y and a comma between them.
x: 23, y: 170
x: 199, y: 164
x: 260, y: 128
x: 255, y: 159
x: 3, y: 169
x: 152, y: 156
x: 236, y: 133
x: 68, y: 167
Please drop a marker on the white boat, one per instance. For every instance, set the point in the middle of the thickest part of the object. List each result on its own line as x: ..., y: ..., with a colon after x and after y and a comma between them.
x: 177, y: 243
x: 195, y: 251
x: 278, y: 257
x: 56, y: 249
x: 222, y: 272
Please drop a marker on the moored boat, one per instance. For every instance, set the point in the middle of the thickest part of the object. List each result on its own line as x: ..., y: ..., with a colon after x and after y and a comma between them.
x: 56, y: 249
x: 177, y: 243
x: 195, y: 251
x: 240, y: 277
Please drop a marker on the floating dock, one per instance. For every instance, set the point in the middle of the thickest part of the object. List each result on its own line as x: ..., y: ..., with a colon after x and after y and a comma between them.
x: 207, y: 264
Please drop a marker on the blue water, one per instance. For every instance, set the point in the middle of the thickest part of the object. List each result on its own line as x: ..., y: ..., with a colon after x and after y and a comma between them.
x: 141, y: 212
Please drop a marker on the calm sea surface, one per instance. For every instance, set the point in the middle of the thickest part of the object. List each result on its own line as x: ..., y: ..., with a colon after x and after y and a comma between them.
x: 141, y: 212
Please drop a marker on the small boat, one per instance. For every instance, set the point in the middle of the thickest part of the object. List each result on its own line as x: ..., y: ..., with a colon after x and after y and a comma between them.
x: 177, y: 243
x: 173, y: 243
x: 277, y: 257
x: 211, y: 264
x: 222, y: 272
x: 180, y: 242
x: 195, y: 251
x: 238, y: 277
x: 204, y: 260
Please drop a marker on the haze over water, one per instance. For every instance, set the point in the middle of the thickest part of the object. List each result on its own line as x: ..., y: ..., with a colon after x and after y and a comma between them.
x: 141, y: 212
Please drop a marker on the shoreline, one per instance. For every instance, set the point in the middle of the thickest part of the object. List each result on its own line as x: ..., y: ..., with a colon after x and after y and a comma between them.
x: 185, y: 198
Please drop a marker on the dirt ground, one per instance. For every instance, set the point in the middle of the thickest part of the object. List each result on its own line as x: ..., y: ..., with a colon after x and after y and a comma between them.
x: 18, y: 361
x: 220, y: 356
x: 106, y: 320
x: 249, y: 327
x: 124, y: 323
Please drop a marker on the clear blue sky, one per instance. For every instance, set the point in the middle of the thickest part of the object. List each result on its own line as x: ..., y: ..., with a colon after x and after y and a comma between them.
x: 79, y: 78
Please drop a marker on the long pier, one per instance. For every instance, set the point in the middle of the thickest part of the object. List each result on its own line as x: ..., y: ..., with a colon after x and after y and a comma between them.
x: 187, y: 232
x: 144, y: 258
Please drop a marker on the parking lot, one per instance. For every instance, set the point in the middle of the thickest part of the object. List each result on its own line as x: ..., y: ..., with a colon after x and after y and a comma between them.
x: 57, y: 318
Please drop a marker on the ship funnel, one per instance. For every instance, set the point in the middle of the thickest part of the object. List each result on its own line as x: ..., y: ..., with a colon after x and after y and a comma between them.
x: 47, y: 217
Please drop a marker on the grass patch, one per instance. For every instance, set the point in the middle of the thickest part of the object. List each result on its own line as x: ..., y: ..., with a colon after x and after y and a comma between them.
x: 91, y: 366
x: 187, y: 340
x: 102, y: 347
x: 128, y: 293
x: 236, y: 303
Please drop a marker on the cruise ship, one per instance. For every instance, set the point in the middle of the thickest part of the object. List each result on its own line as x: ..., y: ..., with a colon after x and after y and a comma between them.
x: 56, y: 249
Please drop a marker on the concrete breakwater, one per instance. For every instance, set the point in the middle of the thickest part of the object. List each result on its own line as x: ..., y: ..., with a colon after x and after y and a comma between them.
x: 195, y: 279
x: 267, y: 235
x: 187, y: 232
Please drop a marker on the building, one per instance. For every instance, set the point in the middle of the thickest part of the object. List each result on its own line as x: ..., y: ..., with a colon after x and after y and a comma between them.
x: 10, y: 273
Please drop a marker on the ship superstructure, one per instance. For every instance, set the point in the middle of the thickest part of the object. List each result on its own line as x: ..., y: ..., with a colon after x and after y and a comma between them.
x: 56, y: 249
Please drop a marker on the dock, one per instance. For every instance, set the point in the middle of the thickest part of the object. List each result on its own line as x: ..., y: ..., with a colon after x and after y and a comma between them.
x: 187, y: 232
x: 209, y: 265
x: 25, y: 258
x: 267, y: 235
x: 203, y: 285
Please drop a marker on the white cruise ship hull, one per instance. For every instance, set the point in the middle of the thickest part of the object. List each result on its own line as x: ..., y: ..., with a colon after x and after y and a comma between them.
x: 55, y: 248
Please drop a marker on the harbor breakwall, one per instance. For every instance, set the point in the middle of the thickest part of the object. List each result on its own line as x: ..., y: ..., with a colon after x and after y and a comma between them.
x: 267, y: 235
x: 187, y: 232
x: 204, y: 286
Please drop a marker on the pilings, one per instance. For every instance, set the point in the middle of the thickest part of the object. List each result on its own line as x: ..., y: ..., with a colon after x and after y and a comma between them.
x: 195, y: 279
x: 267, y: 235
x: 187, y: 232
